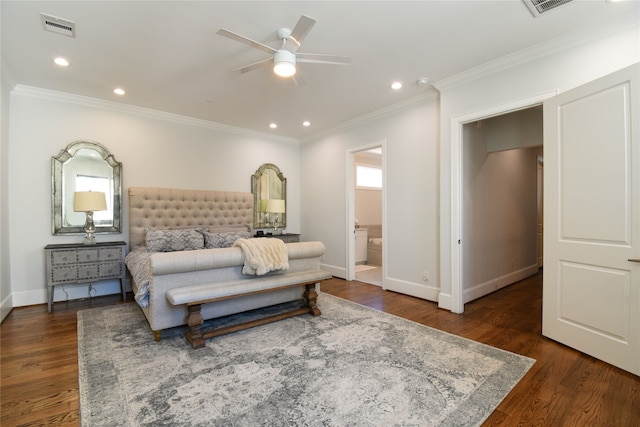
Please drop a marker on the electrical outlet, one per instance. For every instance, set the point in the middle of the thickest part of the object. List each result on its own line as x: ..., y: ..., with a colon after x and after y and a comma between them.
x: 425, y: 276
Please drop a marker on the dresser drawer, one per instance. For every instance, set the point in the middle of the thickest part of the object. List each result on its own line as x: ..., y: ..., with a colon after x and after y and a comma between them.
x: 61, y: 257
x: 87, y: 271
x: 110, y: 254
x: 110, y: 269
x: 88, y: 255
x: 64, y: 274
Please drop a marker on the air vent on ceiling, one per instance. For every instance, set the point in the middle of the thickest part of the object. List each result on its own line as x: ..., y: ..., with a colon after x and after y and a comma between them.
x: 58, y: 25
x: 538, y: 7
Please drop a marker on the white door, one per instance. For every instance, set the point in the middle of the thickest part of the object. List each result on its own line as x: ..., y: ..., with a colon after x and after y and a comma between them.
x: 591, y: 291
x: 539, y: 208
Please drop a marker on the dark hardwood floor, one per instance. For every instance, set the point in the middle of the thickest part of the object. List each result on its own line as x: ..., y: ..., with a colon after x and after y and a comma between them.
x: 39, y: 363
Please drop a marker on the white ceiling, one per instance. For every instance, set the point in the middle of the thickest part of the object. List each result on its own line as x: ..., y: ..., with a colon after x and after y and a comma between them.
x: 167, y: 56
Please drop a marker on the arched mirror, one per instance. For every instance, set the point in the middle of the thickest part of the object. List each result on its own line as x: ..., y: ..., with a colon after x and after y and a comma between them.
x: 85, y: 166
x: 269, y: 188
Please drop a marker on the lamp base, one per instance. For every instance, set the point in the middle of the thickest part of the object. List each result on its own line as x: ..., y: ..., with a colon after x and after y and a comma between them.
x: 89, y: 230
x: 89, y: 239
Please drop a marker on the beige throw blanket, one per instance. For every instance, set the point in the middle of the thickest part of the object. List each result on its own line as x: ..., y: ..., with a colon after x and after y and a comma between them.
x: 262, y: 255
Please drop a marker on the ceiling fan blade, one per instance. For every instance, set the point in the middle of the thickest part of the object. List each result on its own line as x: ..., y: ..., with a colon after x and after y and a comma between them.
x: 242, y: 39
x: 318, y: 58
x: 298, y: 79
x: 300, y: 31
x: 255, y: 65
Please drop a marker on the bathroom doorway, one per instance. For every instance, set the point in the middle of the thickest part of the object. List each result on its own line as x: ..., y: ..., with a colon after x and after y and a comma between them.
x: 367, y: 222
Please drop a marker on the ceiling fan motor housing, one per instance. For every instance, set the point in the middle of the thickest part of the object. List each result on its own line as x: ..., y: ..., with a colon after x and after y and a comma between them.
x: 283, y: 33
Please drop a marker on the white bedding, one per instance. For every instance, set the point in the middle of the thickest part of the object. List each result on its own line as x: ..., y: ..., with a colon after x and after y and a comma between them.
x: 140, y: 267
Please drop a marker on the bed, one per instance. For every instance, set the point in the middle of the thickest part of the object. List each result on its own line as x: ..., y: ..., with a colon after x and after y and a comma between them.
x: 174, y: 217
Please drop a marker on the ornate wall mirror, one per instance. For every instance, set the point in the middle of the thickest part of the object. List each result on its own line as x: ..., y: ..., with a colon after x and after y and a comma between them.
x: 269, y: 188
x: 85, y: 166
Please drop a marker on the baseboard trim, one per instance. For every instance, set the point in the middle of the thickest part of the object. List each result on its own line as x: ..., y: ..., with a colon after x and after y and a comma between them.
x: 66, y: 293
x: 339, y: 272
x: 493, y: 285
x: 6, y: 306
x: 417, y: 290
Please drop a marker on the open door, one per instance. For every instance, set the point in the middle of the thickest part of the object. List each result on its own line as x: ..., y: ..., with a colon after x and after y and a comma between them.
x: 591, y: 298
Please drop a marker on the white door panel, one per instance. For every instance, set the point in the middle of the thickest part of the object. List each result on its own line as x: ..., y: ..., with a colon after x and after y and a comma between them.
x: 578, y: 285
x: 591, y: 297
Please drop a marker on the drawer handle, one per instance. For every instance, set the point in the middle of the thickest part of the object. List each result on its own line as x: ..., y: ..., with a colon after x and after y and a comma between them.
x: 633, y: 260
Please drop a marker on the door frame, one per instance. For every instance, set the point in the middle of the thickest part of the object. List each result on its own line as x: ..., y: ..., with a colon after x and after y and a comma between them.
x: 457, y: 173
x: 351, y: 210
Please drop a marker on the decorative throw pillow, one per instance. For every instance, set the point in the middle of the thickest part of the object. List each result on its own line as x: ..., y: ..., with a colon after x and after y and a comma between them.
x: 223, y: 240
x: 173, y: 240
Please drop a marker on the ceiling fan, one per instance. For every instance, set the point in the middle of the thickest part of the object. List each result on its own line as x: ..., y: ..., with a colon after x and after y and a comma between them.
x: 285, y: 59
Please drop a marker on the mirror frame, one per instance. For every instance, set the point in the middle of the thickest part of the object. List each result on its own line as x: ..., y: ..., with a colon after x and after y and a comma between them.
x: 57, y: 172
x: 255, y: 182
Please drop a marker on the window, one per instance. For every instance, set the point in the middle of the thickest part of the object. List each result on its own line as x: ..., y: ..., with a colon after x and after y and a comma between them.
x: 369, y: 177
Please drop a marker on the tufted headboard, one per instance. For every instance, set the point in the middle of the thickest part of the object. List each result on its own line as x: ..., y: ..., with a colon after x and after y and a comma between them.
x: 168, y: 208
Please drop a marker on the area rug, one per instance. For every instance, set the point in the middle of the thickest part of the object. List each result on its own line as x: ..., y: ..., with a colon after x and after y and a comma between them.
x: 351, y: 366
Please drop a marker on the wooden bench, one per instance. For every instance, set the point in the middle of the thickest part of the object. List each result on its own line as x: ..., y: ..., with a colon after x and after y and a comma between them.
x: 194, y: 296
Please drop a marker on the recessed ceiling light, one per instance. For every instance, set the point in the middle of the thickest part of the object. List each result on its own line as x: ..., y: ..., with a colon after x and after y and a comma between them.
x: 306, y: 123
x: 61, y: 61
x: 396, y: 85
x: 119, y: 91
x: 273, y: 125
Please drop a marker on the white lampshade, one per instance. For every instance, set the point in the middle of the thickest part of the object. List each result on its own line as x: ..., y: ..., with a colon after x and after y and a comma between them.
x: 275, y: 206
x: 284, y: 63
x: 89, y: 201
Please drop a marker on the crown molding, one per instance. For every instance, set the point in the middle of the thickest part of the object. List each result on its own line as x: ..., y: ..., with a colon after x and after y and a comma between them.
x: 558, y: 44
x: 86, y: 101
x: 430, y: 95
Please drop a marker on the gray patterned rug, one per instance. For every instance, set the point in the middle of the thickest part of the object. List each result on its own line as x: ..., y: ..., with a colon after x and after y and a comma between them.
x: 351, y: 366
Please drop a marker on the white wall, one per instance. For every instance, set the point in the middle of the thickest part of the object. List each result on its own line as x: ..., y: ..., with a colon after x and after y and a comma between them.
x: 368, y: 206
x: 6, y: 301
x: 514, y: 130
x: 156, y: 149
x: 510, y: 81
x: 411, y: 136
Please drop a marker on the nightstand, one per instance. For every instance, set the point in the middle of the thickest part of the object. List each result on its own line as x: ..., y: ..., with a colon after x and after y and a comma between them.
x: 77, y: 263
x: 286, y: 237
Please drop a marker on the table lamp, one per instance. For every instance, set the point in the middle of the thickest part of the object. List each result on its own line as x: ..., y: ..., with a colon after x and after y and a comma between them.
x: 89, y: 202
x: 275, y: 207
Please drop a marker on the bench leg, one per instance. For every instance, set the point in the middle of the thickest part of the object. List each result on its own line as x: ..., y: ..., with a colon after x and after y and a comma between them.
x: 311, y: 299
x: 194, y: 320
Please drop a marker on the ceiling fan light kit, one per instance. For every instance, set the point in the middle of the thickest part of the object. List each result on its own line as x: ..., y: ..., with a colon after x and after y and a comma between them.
x: 284, y: 63
x: 284, y: 60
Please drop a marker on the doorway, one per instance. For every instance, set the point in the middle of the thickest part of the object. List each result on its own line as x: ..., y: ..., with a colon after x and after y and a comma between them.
x: 365, y: 214
x: 457, y: 297
x: 499, y: 208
